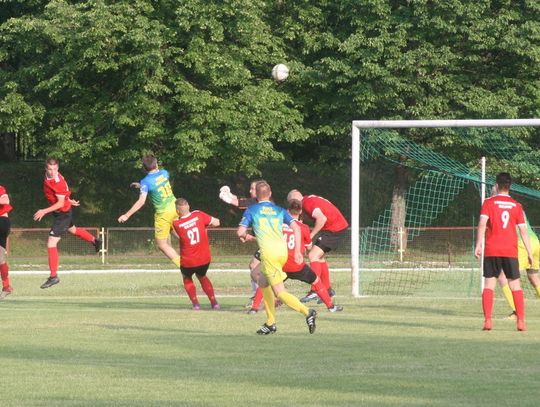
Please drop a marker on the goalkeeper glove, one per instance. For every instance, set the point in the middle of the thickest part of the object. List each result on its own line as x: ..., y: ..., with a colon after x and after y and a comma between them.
x: 225, y: 194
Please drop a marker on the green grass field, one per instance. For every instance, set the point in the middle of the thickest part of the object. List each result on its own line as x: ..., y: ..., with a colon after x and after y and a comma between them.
x: 133, y: 340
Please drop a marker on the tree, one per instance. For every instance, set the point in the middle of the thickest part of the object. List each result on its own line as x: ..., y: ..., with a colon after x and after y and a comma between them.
x: 108, y: 81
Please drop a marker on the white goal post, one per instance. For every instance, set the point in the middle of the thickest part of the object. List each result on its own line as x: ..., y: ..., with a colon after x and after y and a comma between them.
x: 357, y: 125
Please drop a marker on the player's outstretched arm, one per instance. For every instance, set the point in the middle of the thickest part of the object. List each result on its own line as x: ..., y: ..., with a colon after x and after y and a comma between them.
x: 139, y: 203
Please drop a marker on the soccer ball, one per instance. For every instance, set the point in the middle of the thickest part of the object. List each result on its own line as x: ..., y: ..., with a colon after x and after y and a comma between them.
x: 280, y: 72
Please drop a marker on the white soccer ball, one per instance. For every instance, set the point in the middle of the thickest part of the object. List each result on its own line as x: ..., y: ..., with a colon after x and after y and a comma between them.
x: 280, y: 72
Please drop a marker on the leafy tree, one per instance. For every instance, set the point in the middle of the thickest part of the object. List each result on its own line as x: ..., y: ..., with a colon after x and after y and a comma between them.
x: 106, y: 81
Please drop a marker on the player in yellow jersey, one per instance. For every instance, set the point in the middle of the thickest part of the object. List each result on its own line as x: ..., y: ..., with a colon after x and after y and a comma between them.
x: 532, y: 269
x: 266, y: 220
x: 157, y: 185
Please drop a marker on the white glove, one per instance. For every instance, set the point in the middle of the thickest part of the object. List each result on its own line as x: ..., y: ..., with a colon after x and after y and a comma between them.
x: 225, y: 194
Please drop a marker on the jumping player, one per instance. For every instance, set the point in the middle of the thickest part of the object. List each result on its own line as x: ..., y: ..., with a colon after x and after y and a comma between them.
x: 190, y: 228
x: 330, y: 228
x: 499, y: 216
x: 156, y: 184
x: 5, y: 227
x: 58, y: 196
x: 267, y: 220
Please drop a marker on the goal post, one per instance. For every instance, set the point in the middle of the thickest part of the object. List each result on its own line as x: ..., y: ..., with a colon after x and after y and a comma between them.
x: 360, y: 126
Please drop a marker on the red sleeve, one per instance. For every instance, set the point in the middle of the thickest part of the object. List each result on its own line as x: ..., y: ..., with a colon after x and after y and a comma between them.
x: 485, y: 208
x: 306, y: 235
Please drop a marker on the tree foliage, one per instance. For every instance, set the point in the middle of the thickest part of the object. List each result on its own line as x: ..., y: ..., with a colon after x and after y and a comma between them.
x: 110, y: 80
x: 106, y: 81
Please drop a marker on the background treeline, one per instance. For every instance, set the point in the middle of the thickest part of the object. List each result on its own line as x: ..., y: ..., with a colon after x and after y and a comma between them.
x: 99, y: 83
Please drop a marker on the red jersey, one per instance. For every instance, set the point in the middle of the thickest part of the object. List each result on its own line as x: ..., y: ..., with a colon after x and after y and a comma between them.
x: 504, y: 214
x: 54, y: 187
x: 194, y: 245
x: 335, y: 221
x: 6, y: 208
x: 288, y: 234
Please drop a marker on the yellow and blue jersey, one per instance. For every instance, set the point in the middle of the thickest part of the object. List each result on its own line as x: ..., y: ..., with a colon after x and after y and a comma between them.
x: 157, y: 185
x: 267, y: 219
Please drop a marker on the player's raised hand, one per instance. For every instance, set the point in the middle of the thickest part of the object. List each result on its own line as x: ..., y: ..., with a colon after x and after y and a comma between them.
x: 136, y: 185
x: 123, y: 218
x: 74, y: 202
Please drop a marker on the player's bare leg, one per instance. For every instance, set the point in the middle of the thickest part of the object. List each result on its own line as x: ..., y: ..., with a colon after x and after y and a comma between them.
x: 167, y: 250
x: 532, y: 275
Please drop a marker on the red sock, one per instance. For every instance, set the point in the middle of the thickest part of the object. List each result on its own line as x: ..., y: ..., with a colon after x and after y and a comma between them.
x: 519, y: 303
x: 316, y: 266
x: 322, y: 292
x: 487, y: 303
x: 53, y: 260
x: 257, y: 299
x: 190, y: 290
x: 325, y: 274
x: 84, y: 235
x: 4, y: 273
x: 208, y: 289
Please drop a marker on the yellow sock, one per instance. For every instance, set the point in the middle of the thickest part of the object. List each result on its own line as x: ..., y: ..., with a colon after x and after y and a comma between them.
x: 537, y: 288
x: 176, y: 261
x: 508, y: 295
x: 269, y: 305
x: 292, y: 302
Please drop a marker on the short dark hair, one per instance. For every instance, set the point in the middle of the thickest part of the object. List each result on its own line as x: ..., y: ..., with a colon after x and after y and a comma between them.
x: 51, y: 161
x: 149, y: 162
x: 504, y: 180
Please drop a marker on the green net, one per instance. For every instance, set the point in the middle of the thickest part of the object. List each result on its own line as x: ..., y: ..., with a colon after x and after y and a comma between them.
x: 418, y: 209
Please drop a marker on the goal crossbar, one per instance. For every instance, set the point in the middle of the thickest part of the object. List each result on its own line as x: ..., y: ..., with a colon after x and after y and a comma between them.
x: 357, y: 125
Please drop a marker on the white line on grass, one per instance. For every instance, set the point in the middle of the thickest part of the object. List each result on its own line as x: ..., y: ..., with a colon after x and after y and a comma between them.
x: 118, y: 271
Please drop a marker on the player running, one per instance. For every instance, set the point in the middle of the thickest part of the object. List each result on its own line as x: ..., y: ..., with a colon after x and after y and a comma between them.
x: 5, y: 228
x: 190, y: 228
x: 499, y: 216
x: 156, y: 184
x: 330, y: 229
x: 267, y: 220
x: 58, y: 196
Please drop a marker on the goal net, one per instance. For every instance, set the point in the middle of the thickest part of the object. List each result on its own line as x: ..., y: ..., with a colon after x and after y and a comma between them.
x: 414, y: 209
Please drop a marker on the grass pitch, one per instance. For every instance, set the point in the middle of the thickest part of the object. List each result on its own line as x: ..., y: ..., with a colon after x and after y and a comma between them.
x: 133, y: 340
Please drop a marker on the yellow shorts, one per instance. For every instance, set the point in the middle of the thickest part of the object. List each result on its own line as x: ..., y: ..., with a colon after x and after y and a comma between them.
x: 522, y: 255
x: 272, y: 267
x: 163, y: 222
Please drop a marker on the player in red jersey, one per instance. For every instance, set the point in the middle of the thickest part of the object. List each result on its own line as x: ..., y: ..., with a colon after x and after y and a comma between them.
x: 195, y: 255
x: 330, y: 228
x: 499, y: 216
x: 5, y: 228
x: 58, y: 196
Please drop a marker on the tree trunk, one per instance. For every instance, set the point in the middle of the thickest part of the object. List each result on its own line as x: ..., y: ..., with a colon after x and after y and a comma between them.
x: 7, y: 147
x: 399, y: 209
